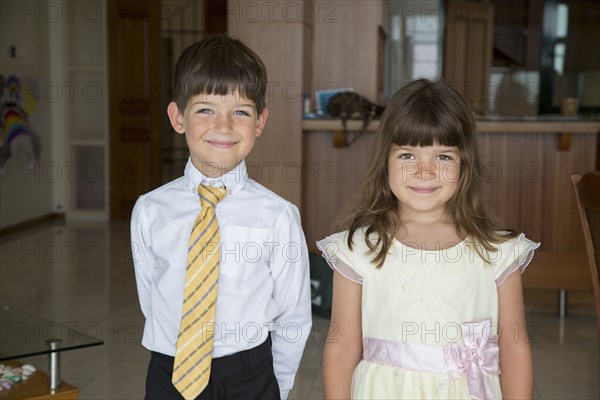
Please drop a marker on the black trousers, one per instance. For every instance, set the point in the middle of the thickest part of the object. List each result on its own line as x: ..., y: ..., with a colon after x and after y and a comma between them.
x: 245, y: 375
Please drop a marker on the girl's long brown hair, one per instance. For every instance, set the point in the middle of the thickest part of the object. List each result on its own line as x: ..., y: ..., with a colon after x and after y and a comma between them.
x: 420, y: 114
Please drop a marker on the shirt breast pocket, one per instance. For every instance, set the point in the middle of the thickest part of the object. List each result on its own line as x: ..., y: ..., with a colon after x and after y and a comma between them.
x: 245, y: 252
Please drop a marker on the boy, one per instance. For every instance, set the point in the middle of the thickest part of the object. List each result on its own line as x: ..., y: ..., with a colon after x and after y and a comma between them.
x: 221, y: 262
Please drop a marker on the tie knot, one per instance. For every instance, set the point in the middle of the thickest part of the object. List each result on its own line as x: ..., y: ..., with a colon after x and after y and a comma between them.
x: 210, y: 196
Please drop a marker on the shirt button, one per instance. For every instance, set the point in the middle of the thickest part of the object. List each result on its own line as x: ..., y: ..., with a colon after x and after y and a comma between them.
x: 211, y: 183
x: 229, y: 192
x: 193, y: 190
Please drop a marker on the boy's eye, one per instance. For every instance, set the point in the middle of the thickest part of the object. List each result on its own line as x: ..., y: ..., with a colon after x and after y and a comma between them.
x: 241, y: 112
x: 204, y: 111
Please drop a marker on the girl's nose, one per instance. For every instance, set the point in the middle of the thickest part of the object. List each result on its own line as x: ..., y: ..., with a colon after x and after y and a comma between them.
x: 426, y: 168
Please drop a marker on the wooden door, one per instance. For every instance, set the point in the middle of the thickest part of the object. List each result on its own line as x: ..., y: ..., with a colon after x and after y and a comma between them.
x: 133, y: 43
x: 468, y: 49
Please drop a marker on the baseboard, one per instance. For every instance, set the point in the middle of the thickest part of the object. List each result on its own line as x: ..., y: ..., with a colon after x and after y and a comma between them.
x: 31, y: 223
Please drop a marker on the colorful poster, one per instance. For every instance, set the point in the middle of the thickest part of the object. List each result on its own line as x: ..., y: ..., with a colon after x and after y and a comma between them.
x: 17, y: 138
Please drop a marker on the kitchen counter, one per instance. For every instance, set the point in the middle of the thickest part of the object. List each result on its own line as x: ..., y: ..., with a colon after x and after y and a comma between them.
x: 527, y: 161
x: 526, y: 124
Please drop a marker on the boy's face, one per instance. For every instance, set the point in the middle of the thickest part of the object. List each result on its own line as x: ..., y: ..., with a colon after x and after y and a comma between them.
x: 219, y: 129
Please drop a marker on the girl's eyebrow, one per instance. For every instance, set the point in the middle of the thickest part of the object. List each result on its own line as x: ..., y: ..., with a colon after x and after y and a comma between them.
x: 449, y: 150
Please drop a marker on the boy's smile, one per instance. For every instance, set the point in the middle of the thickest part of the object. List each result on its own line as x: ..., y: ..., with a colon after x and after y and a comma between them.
x: 220, y: 130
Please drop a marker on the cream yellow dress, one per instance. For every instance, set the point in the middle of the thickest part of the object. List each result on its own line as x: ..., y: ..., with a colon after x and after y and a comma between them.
x: 429, y: 318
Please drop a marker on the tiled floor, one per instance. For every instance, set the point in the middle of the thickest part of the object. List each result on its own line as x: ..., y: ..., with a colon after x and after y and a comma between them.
x: 81, y: 275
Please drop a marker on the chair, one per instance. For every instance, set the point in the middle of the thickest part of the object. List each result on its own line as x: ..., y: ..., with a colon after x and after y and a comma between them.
x: 587, y: 193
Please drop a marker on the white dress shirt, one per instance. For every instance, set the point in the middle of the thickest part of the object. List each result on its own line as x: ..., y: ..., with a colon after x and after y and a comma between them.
x: 264, y: 275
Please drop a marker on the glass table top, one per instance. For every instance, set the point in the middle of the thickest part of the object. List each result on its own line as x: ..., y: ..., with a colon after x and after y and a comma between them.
x: 23, y: 335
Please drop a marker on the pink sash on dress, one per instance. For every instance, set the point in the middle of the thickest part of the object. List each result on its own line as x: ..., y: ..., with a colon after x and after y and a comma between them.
x: 478, y: 357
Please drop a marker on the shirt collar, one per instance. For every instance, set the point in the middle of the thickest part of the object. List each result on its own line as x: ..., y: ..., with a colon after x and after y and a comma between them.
x: 233, y: 180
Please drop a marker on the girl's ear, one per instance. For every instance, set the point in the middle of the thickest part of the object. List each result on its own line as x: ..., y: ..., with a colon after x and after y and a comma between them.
x: 261, y: 121
x: 176, y: 117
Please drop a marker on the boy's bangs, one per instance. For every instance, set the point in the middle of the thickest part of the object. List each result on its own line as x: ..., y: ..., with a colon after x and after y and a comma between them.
x: 221, y: 78
x: 220, y: 84
x: 222, y: 66
x: 427, y: 129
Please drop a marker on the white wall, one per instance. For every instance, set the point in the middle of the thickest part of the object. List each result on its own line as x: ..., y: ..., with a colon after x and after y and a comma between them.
x: 25, y: 193
x: 345, y: 45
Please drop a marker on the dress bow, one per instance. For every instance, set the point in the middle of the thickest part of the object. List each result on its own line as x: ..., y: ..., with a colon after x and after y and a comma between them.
x: 477, y: 358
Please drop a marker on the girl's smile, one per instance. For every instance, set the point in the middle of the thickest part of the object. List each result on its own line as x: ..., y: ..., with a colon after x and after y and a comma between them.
x: 423, y: 190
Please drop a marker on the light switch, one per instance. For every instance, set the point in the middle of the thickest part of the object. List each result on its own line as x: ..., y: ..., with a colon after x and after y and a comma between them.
x: 19, y: 52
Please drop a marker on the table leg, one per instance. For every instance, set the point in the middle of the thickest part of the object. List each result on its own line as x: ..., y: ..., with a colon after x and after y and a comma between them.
x: 54, y: 364
x: 562, y: 303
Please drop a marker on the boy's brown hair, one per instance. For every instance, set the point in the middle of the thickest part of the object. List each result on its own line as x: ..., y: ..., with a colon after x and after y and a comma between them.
x: 219, y: 65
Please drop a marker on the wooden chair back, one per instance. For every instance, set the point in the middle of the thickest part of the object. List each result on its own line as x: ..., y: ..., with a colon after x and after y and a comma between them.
x: 587, y: 193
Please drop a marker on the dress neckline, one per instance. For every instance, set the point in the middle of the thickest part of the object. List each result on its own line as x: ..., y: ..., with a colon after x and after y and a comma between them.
x: 456, y: 245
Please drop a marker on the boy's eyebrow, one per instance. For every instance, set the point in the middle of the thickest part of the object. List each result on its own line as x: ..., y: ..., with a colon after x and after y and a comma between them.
x: 210, y: 103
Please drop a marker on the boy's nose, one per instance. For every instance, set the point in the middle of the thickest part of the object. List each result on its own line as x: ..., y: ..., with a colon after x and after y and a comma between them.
x: 223, y: 124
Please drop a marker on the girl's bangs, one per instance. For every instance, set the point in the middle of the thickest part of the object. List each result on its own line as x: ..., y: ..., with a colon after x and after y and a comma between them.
x: 426, y: 129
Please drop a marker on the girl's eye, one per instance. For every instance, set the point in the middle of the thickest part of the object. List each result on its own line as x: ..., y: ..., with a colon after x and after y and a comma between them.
x: 405, y: 156
x: 444, y: 157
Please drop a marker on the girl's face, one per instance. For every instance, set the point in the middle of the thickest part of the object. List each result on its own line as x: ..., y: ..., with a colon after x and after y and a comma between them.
x: 423, y: 179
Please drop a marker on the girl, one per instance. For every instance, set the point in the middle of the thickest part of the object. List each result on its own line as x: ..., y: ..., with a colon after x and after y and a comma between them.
x: 425, y: 301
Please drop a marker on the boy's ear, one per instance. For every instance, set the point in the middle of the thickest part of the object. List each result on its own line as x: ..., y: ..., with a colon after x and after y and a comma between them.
x: 175, y: 117
x: 261, y: 121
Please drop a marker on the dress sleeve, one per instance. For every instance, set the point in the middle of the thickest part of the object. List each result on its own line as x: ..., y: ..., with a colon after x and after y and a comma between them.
x: 339, y: 256
x: 515, y: 254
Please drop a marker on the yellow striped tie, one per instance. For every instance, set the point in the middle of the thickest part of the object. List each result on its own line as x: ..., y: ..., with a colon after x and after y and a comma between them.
x: 193, y: 356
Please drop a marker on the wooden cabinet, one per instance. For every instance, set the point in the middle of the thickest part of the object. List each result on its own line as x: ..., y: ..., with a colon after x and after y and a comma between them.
x: 468, y: 49
x: 517, y: 33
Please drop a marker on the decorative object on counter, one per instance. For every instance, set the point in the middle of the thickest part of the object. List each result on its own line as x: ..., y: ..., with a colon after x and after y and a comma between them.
x: 10, y: 376
x: 350, y: 105
x: 568, y: 108
x: 306, y: 104
x: 322, y: 98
